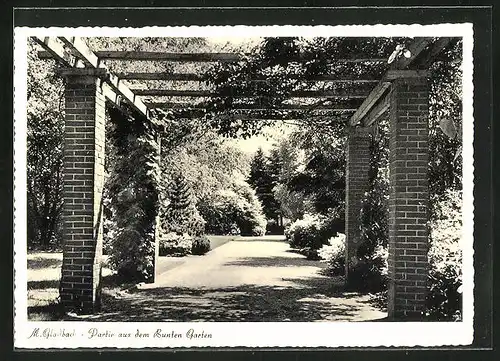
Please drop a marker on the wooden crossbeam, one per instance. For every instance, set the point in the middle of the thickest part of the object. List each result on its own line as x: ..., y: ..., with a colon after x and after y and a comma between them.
x: 375, y: 113
x: 199, y: 113
x: 200, y: 57
x: 82, y: 51
x: 203, y: 57
x: 91, y: 60
x: 197, y: 77
x: 56, y: 50
x: 415, y: 48
x: 437, y: 47
x: 370, y: 101
x: 208, y: 94
x: 252, y: 106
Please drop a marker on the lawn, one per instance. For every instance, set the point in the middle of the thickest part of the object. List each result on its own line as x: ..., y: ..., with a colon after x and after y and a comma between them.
x: 44, y: 273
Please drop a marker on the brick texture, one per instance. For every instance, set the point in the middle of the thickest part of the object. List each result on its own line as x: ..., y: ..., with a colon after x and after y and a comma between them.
x: 408, y: 198
x: 357, y: 167
x: 84, y: 136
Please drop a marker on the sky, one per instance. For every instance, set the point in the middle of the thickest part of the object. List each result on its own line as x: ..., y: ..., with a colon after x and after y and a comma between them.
x: 266, y: 140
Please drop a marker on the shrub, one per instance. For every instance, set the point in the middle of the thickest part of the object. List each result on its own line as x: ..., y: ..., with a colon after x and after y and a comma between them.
x: 333, y: 254
x: 175, y: 244
x: 444, y: 301
x: 201, y: 245
x: 233, y: 211
x: 312, y: 231
x: 305, y: 232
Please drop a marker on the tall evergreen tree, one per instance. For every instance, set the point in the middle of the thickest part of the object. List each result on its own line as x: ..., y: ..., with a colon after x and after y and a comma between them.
x: 181, y: 214
x: 264, y: 179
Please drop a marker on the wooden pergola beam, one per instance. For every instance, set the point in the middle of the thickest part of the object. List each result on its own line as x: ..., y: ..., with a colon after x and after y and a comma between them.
x: 92, y: 61
x: 197, y: 77
x: 377, y: 111
x: 248, y: 106
x: 199, y: 57
x: 178, y: 105
x: 415, y: 48
x: 369, y: 102
x: 437, y: 47
x: 209, y: 94
x: 56, y: 50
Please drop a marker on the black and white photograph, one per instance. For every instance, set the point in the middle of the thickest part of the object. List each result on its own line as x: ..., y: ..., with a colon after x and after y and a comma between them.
x: 180, y: 184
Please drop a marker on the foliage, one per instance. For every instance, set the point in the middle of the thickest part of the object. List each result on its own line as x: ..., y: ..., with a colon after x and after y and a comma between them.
x: 179, y: 212
x: 262, y: 179
x: 306, y: 232
x: 333, y: 253
x: 175, y: 244
x: 45, y: 120
x: 371, y: 272
x: 322, y: 177
x: 287, y: 160
x: 445, y: 258
x: 375, y: 206
x: 133, y: 190
x: 251, y: 219
x: 286, y: 64
x: 201, y: 245
x: 445, y: 103
x: 234, y: 211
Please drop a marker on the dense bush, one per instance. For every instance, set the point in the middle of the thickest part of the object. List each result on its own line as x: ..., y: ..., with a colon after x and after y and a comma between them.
x: 306, y: 232
x: 201, y: 245
x: 445, y: 258
x: 175, y: 244
x: 333, y: 253
x: 219, y: 212
x: 370, y: 272
x: 312, y: 231
x: 233, y: 211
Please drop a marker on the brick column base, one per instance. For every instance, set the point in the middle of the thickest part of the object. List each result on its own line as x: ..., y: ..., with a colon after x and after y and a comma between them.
x: 357, y: 167
x: 84, y: 136
x: 408, y: 198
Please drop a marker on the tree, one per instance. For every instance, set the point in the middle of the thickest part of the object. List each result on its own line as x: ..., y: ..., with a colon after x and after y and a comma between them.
x: 322, y: 178
x: 45, y: 119
x: 181, y: 214
x: 263, y: 178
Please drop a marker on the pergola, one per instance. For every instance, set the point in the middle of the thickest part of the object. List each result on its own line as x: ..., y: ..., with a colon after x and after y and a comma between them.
x: 402, y: 92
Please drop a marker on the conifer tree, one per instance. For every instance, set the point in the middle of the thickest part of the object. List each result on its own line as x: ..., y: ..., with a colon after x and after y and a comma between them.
x: 263, y: 179
x: 181, y: 214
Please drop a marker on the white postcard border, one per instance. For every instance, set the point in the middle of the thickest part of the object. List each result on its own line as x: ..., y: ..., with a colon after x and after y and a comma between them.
x: 246, y: 334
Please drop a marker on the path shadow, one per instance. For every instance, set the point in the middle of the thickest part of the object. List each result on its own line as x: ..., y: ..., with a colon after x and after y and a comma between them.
x: 302, y: 300
x: 39, y: 263
x: 260, y: 239
x: 42, y: 285
x: 273, y: 262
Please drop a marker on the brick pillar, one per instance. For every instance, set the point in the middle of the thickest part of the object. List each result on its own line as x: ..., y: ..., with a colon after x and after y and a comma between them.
x: 408, y: 197
x: 357, y: 167
x: 84, y: 136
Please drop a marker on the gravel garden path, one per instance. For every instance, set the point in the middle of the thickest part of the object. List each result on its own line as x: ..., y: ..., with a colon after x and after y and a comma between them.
x: 248, y: 279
